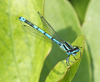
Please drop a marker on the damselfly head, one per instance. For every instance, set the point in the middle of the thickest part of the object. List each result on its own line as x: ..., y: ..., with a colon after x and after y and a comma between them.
x: 73, y: 51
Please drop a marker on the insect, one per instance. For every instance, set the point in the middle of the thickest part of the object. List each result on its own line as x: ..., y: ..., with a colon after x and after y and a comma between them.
x: 70, y: 50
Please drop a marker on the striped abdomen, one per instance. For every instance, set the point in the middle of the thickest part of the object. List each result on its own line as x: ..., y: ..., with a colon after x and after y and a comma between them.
x: 39, y: 29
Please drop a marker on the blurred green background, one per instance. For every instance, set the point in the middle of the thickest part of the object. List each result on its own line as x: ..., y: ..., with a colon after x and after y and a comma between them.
x: 22, y: 56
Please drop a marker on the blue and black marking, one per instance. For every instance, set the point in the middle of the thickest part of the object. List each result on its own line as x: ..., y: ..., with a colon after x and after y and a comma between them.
x: 40, y: 30
x: 66, y: 46
x: 74, y: 50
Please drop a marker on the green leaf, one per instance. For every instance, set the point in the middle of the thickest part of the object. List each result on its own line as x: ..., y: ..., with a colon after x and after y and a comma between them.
x: 92, y: 32
x: 80, y: 7
x: 63, y: 19
x: 84, y: 72
x: 61, y: 71
x: 21, y: 55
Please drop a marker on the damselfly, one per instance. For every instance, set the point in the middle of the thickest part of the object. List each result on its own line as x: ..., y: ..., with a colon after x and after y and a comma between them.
x: 70, y: 50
